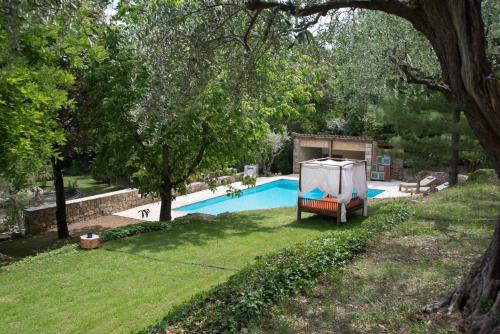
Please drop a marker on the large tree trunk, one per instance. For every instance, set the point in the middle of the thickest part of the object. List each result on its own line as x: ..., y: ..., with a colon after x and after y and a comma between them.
x: 478, y: 296
x: 166, y: 205
x: 62, y: 225
x: 166, y: 187
x: 454, y: 150
x: 455, y: 30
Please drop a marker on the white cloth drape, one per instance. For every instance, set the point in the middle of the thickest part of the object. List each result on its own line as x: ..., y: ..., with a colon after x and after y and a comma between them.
x: 325, y: 175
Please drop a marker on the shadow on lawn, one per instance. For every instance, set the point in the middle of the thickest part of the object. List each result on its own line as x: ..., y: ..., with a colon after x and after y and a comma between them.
x: 324, y: 223
x: 199, y: 232
x: 455, y: 207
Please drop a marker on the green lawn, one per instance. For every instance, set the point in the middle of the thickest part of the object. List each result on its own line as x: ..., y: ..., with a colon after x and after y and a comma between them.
x: 407, y: 268
x: 88, y: 186
x: 131, y: 283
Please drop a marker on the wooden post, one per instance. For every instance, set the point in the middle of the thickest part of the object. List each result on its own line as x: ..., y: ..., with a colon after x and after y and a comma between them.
x: 299, y: 213
x: 340, y: 180
x: 300, y: 176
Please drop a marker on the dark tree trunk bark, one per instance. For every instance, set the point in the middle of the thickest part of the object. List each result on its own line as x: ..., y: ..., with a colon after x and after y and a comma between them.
x: 478, y: 296
x: 62, y: 225
x: 417, y: 188
x: 454, y: 150
x: 166, y: 187
x: 166, y: 205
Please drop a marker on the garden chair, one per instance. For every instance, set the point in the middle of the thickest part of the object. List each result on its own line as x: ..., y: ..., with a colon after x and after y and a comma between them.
x: 429, y: 181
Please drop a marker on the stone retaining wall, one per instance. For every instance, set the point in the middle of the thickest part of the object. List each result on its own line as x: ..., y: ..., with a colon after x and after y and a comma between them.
x: 42, y: 218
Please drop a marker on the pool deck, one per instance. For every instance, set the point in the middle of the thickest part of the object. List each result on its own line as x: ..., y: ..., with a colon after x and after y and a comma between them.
x: 391, y: 190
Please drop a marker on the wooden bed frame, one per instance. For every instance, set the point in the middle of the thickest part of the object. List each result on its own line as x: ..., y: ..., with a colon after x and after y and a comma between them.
x: 323, y: 206
x: 326, y: 208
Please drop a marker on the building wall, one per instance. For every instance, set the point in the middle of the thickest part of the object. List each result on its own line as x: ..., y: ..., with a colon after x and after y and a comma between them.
x: 310, y: 148
x: 301, y: 153
x: 346, y: 154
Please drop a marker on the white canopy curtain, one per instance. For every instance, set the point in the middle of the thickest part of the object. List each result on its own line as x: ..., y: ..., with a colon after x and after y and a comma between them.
x: 336, y: 178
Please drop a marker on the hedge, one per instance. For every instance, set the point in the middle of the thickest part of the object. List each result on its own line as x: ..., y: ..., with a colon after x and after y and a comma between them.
x: 133, y: 229
x: 248, y: 295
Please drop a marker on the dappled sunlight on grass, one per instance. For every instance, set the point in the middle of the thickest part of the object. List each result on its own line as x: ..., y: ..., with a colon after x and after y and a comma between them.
x: 88, y: 186
x: 130, y: 283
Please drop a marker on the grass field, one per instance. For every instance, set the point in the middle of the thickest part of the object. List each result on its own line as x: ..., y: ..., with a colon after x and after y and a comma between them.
x: 88, y: 186
x: 407, y: 268
x: 131, y: 283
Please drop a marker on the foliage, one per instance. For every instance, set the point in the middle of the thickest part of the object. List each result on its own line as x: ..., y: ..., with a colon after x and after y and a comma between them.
x: 359, y: 47
x: 45, y: 47
x: 491, y: 18
x: 12, y: 205
x: 483, y: 175
x: 272, y: 146
x: 32, y: 90
x: 133, y: 229
x: 248, y: 295
x: 112, y: 88
x: 422, y: 128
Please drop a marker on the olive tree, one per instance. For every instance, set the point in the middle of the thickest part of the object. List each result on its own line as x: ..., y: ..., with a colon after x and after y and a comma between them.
x: 188, y: 120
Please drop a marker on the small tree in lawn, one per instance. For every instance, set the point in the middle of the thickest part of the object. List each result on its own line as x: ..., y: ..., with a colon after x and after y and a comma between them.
x: 207, y: 103
x: 272, y: 146
x: 187, y: 121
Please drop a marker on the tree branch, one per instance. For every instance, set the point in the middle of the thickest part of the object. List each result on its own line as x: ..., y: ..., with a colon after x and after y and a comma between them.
x: 197, y: 160
x: 389, y: 6
x: 415, y: 76
x: 306, y: 25
x: 250, y: 26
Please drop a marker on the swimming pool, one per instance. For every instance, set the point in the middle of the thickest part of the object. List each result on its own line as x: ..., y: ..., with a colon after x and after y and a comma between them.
x: 276, y: 194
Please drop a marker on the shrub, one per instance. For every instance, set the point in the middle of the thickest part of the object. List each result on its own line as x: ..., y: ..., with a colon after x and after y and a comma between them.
x: 248, y: 294
x: 482, y: 175
x: 133, y: 229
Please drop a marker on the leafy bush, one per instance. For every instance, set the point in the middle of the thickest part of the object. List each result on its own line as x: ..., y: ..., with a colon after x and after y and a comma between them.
x: 482, y: 175
x: 248, y: 294
x: 133, y: 229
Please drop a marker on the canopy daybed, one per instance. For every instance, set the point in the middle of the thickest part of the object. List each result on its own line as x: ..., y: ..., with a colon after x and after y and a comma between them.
x: 342, y: 182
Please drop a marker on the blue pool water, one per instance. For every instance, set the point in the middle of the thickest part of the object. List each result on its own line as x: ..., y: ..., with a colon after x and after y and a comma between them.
x: 274, y: 194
